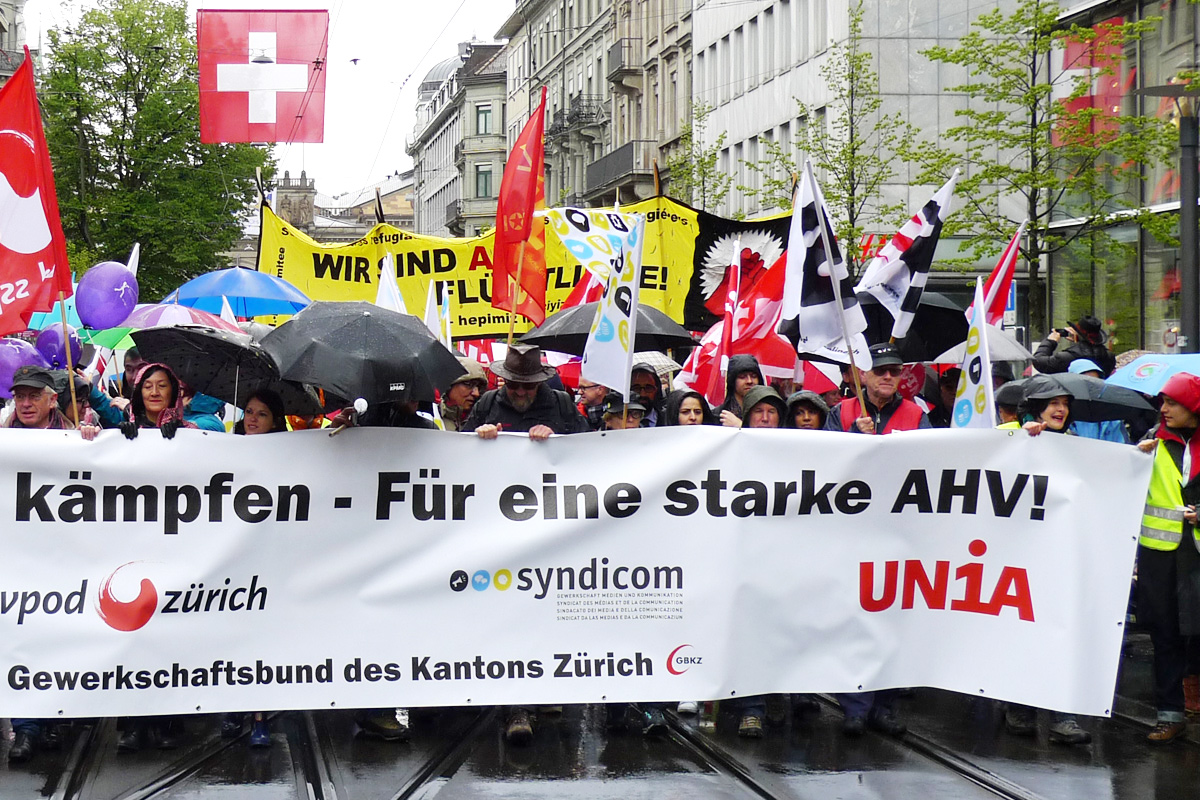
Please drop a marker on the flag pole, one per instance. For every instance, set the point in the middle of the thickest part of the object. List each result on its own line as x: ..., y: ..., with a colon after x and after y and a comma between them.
x: 512, y: 319
x: 837, y: 289
x: 62, y: 307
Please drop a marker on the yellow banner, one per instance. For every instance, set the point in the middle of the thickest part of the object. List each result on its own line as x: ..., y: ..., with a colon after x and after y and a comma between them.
x: 461, y: 268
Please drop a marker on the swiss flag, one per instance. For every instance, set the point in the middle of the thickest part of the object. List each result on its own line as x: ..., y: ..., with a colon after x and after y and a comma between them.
x: 262, y: 75
x: 33, y: 251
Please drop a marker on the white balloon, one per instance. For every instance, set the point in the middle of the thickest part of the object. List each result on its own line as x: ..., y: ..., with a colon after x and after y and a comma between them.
x: 360, y: 405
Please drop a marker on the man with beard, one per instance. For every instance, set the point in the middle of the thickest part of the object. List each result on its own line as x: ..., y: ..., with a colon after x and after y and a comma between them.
x: 524, y: 404
x: 644, y: 382
x: 460, y: 398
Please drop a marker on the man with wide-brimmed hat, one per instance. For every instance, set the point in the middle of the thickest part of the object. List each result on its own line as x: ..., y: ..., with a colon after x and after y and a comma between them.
x: 524, y: 404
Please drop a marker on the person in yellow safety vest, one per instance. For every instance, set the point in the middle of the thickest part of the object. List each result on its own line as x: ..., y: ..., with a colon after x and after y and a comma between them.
x: 1168, y: 586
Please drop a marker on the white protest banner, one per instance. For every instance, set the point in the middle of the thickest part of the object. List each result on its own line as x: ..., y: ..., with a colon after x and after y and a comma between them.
x: 975, y: 397
x: 609, y: 245
x: 392, y: 567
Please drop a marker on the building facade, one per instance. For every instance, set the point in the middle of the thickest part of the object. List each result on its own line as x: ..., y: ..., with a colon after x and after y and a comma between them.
x: 12, y: 37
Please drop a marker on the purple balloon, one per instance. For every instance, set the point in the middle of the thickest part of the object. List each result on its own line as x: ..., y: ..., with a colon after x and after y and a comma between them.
x: 50, y: 344
x: 106, y: 295
x: 14, y: 354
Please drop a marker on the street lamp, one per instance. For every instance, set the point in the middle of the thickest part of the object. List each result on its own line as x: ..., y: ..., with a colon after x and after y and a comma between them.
x: 1189, y: 196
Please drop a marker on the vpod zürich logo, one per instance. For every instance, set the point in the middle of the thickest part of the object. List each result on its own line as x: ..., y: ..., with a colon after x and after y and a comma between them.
x: 133, y: 614
x: 126, y: 615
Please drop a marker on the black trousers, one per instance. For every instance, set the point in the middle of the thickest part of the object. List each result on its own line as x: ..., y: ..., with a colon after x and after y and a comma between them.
x: 1158, y: 611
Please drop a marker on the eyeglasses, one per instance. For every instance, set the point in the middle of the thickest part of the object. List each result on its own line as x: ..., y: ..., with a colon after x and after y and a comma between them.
x: 583, y: 388
x: 892, y: 370
x: 642, y: 387
x: 521, y: 387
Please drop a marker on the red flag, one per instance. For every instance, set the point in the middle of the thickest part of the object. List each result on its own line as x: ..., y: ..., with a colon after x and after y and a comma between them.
x: 33, y: 250
x: 262, y: 75
x: 522, y: 191
x: 995, y: 290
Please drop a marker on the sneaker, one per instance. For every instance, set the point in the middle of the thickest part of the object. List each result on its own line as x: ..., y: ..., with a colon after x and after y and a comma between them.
x: 133, y: 737
x: 23, y: 747
x: 750, y: 727
x: 519, y: 730
x: 854, y: 727
x: 260, y: 736
x: 885, y: 722
x: 382, y: 725
x: 654, y: 723
x: 688, y: 708
x: 231, y: 726
x: 1166, y: 732
x: 1068, y: 731
x: 1020, y: 722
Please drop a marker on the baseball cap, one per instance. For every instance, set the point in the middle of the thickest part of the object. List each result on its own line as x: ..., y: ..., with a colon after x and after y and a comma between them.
x: 36, y: 377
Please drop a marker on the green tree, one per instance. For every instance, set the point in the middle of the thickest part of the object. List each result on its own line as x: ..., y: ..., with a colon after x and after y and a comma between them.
x: 694, y: 177
x: 121, y: 102
x: 1033, y: 145
x: 850, y: 141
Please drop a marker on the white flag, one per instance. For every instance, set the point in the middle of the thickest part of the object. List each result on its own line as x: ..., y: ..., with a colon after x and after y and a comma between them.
x: 388, y: 294
x: 975, y: 400
x: 819, y: 306
x: 609, y: 245
x: 438, y: 326
x: 227, y: 310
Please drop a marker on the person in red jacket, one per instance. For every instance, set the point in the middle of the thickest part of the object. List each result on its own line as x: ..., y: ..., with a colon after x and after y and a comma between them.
x: 886, y: 411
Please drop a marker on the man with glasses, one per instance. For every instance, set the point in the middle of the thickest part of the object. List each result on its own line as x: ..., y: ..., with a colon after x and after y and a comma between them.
x: 591, y: 402
x: 524, y: 404
x: 886, y: 411
x: 644, y: 382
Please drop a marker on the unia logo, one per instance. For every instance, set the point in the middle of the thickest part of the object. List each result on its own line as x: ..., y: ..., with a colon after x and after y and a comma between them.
x: 126, y: 615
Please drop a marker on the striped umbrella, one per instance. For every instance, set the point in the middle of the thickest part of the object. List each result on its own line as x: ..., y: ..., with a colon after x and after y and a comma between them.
x: 150, y: 315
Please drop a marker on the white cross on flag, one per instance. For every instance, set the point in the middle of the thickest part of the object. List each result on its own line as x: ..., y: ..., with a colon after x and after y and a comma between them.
x: 262, y: 75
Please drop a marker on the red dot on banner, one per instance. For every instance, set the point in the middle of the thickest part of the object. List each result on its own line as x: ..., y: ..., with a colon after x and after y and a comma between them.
x: 977, y: 548
x: 17, y: 162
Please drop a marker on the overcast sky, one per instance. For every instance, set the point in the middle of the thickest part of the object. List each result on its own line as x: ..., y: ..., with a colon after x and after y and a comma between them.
x: 396, y: 42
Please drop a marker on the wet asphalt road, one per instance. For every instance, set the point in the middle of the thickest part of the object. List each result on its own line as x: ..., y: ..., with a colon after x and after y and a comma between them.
x: 956, y: 748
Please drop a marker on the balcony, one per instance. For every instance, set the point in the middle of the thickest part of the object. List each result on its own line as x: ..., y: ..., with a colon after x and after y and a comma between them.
x: 460, y: 153
x: 585, y: 109
x: 454, y: 214
x: 10, y: 60
x: 625, y: 63
x: 629, y: 164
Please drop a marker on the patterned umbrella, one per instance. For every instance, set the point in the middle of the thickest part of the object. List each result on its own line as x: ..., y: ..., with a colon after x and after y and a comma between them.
x: 155, y: 316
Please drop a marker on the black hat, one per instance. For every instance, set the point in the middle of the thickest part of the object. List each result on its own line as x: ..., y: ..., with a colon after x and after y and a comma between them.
x: 36, y: 377
x: 1091, y: 329
x: 615, y: 404
x: 523, y: 364
x: 885, y: 355
x: 1010, y: 394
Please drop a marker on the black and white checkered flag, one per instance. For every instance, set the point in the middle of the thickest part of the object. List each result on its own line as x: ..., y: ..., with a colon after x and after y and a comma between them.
x: 811, y: 317
x: 896, y: 277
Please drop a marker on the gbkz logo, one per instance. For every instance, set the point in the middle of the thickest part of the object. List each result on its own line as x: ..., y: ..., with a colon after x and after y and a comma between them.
x: 681, y: 659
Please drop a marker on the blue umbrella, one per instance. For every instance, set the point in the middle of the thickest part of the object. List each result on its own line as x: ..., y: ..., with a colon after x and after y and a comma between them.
x: 250, y: 293
x: 1147, y: 374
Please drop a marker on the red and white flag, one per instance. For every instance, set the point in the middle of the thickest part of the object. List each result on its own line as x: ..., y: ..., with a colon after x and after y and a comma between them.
x: 33, y: 250
x: 262, y: 75
x: 995, y: 291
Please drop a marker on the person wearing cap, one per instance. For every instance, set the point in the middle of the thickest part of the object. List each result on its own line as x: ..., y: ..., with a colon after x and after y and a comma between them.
x: 35, y: 407
x: 886, y: 410
x: 524, y: 403
x: 1087, y: 338
x: 742, y: 374
x: 1168, y: 583
x: 1109, y: 430
x: 940, y: 412
x: 1008, y: 403
x: 460, y: 398
x: 619, y: 415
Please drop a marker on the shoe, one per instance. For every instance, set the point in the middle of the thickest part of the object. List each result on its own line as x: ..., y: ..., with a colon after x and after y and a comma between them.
x: 162, y: 735
x: 854, y: 727
x: 382, y: 725
x: 688, y: 708
x: 777, y: 706
x: 23, y: 747
x: 1163, y: 732
x: 231, y: 726
x: 518, y: 731
x: 1191, y: 695
x: 260, y: 736
x: 616, y: 717
x: 885, y: 722
x: 654, y: 723
x: 805, y: 704
x: 750, y: 727
x: 51, y: 739
x: 1067, y: 731
x: 133, y: 738
x: 1020, y: 722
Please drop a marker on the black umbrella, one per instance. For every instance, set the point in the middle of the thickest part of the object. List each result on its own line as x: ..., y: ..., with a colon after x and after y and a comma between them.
x: 1093, y: 400
x: 357, y: 349
x: 939, y: 324
x: 222, y: 364
x: 567, y: 330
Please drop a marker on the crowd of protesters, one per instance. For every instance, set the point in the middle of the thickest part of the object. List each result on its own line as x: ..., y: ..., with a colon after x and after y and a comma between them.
x: 529, y: 398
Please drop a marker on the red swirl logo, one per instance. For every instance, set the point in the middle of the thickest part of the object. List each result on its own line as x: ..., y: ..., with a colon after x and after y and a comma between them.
x: 131, y: 615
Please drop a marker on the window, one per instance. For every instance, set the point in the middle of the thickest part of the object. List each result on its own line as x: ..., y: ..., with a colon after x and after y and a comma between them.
x: 483, y: 180
x: 483, y: 119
